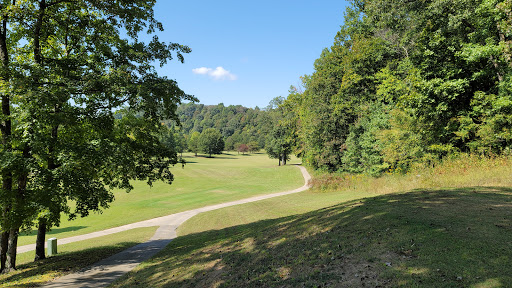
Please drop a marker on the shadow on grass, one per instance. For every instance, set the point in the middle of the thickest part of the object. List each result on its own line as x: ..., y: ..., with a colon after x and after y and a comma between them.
x: 57, y: 230
x: 434, y: 238
x: 35, y: 273
x: 214, y: 156
x: 218, y: 157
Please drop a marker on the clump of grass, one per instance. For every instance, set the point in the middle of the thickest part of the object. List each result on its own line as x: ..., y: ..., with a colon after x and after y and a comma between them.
x: 424, y: 238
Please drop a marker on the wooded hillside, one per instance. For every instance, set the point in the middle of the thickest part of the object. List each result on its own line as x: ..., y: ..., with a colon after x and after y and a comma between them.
x: 237, y: 124
x: 408, y: 82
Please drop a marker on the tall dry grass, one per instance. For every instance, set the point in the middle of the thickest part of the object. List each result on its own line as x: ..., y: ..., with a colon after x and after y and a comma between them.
x: 463, y: 170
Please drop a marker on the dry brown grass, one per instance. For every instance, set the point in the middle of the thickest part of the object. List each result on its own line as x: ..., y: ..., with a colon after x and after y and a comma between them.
x: 461, y: 171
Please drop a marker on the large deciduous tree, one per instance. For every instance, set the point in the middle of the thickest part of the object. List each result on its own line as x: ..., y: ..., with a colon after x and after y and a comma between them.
x: 279, y: 145
x: 211, y: 142
x: 193, y: 142
x: 66, y: 67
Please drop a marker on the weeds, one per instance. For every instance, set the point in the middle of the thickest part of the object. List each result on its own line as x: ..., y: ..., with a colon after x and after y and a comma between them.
x: 458, y: 171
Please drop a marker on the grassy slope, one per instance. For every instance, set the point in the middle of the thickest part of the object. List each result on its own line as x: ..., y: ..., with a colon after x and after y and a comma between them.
x: 72, y: 257
x: 430, y: 237
x: 202, y: 182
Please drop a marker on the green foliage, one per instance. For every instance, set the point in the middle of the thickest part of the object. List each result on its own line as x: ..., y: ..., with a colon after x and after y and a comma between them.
x: 363, y: 152
x: 278, y: 144
x: 407, y: 82
x: 211, y: 142
x: 253, y: 146
x: 193, y: 142
x: 237, y: 124
x: 66, y: 66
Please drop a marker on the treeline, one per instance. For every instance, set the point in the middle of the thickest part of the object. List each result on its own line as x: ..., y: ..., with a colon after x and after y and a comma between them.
x: 243, y: 129
x: 407, y: 82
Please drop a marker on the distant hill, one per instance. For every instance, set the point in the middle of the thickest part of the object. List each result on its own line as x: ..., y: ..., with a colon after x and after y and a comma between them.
x: 238, y: 124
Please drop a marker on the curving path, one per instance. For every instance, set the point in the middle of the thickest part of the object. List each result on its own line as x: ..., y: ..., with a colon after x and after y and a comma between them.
x: 106, y: 271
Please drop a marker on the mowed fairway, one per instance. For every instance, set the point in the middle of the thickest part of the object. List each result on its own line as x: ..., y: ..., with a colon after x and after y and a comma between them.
x: 203, y: 181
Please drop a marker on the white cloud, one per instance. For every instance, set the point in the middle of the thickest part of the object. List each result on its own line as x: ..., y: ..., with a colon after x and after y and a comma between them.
x: 218, y: 73
x: 202, y: 70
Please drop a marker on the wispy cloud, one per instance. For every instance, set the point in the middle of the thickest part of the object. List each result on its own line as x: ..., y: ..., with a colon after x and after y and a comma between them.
x: 218, y: 73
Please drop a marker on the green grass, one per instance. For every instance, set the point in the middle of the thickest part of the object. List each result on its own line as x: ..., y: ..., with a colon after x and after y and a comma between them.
x: 203, y: 181
x: 72, y: 257
x: 423, y: 238
x: 331, y: 189
x: 266, y: 209
x: 355, y: 231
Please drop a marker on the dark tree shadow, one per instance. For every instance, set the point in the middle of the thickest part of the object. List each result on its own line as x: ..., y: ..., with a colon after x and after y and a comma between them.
x: 56, y: 230
x: 63, y: 263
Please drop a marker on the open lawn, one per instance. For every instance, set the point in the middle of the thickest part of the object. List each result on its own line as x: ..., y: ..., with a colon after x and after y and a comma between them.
x: 354, y: 232
x: 203, y: 181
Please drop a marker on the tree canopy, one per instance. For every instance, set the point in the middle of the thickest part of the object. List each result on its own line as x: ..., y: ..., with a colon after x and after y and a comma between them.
x: 211, y: 142
x: 408, y: 82
x: 66, y: 68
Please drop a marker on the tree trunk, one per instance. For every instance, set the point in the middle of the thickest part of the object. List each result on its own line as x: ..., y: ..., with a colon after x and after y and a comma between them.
x: 284, y: 159
x: 6, y: 131
x: 11, y: 251
x: 4, y: 243
x: 279, y: 160
x: 41, y: 235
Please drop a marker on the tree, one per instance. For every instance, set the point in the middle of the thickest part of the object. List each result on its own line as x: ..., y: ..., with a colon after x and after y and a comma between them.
x: 278, y: 145
x: 181, y: 142
x: 193, y: 142
x: 167, y: 137
x: 229, y: 144
x: 211, y: 142
x: 253, y: 146
x: 61, y: 141
x: 243, y: 148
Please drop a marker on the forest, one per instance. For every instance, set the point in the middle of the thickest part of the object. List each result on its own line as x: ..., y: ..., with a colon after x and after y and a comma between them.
x: 242, y: 129
x: 407, y: 83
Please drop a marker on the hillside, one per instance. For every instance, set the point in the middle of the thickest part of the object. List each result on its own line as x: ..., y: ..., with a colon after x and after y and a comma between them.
x: 417, y: 239
x: 393, y: 231
x: 237, y: 124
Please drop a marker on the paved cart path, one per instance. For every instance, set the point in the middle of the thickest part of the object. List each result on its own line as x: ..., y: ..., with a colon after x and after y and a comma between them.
x: 108, y: 270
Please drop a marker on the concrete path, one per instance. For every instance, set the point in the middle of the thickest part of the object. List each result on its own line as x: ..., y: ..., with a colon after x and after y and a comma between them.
x: 108, y: 270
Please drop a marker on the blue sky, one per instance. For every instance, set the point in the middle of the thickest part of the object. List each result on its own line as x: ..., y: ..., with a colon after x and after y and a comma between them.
x: 246, y: 52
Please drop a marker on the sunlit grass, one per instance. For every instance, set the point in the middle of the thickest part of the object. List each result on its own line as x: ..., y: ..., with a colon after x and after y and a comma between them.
x: 394, y: 231
x: 461, y: 171
x: 424, y: 238
x: 203, y: 181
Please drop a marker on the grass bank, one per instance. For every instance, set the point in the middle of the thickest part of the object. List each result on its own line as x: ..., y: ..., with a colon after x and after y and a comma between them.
x: 368, y: 234
x: 203, y: 181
